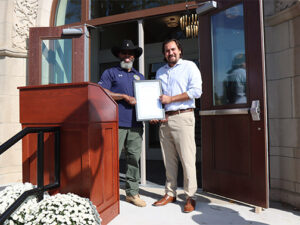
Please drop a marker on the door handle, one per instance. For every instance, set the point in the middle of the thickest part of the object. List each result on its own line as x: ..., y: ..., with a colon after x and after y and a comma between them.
x: 254, y: 111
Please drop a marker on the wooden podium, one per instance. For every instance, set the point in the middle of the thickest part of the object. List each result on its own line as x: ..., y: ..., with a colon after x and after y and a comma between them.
x: 88, y: 120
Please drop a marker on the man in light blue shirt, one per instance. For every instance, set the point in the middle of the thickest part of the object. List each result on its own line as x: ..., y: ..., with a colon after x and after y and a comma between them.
x: 182, y: 79
x: 181, y: 85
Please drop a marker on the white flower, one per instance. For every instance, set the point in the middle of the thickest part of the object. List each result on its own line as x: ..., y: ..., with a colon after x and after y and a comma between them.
x: 58, y: 209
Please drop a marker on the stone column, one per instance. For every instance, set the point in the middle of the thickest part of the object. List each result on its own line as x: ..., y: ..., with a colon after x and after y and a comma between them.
x: 16, y: 16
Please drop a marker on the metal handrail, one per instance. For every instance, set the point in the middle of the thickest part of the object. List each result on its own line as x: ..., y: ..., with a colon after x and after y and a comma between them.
x: 39, y: 191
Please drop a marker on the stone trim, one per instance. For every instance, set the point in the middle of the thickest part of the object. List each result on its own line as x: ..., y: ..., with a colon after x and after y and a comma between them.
x: 13, y: 53
x: 286, y: 11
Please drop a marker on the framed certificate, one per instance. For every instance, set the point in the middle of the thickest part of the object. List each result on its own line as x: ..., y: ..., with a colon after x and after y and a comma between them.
x: 148, y: 105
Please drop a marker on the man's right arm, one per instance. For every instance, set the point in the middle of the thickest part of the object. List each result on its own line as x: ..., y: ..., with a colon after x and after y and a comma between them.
x: 118, y: 97
x: 106, y: 81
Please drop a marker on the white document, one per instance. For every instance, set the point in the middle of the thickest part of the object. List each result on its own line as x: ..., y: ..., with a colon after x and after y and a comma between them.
x: 148, y: 105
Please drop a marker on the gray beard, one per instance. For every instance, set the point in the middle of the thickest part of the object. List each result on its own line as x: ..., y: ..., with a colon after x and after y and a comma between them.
x: 125, y: 65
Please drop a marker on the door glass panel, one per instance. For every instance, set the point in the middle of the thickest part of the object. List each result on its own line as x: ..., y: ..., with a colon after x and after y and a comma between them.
x: 228, y: 56
x: 56, y: 61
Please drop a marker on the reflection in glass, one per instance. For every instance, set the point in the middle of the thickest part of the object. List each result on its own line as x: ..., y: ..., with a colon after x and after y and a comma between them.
x: 235, y: 83
x: 101, y: 8
x: 56, y: 61
x: 68, y: 11
x: 229, y: 63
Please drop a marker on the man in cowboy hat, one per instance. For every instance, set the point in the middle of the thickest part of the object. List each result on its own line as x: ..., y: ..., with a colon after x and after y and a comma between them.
x: 118, y: 83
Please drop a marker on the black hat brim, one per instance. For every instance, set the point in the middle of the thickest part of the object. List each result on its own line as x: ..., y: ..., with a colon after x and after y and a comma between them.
x: 137, y: 51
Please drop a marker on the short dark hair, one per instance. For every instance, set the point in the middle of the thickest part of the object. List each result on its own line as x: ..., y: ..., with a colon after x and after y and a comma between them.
x: 177, y: 42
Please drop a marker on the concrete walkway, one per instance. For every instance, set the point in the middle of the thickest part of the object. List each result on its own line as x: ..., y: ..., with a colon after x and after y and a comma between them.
x: 210, y: 210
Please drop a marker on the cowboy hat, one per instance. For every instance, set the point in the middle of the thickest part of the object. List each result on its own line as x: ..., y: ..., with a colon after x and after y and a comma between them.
x: 127, y: 45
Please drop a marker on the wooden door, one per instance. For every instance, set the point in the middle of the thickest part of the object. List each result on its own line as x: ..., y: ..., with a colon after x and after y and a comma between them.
x: 233, y: 104
x: 58, y: 55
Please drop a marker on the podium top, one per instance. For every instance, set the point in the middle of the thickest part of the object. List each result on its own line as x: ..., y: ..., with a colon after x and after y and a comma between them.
x: 82, y: 102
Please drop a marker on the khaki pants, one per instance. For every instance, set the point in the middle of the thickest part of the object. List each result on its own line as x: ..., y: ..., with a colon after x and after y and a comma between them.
x: 177, y: 139
x: 130, y: 140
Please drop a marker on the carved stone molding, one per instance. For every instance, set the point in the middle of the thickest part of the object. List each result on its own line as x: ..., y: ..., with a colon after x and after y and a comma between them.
x: 284, y: 4
x: 25, y: 15
x: 291, y: 11
x: 13, y: 53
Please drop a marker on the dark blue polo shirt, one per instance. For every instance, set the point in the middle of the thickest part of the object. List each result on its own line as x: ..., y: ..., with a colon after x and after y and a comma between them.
x: 120, y: 81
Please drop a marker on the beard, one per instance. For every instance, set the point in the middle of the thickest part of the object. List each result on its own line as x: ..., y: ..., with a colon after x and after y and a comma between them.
x: 172, y: 59
x: 126, y: 65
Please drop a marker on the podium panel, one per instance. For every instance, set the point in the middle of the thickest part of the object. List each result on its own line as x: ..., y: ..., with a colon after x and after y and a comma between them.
x: 88, y: 121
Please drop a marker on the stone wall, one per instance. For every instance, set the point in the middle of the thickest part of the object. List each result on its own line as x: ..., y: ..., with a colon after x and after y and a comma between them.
x: 16, y: 16
x: 282, y: 38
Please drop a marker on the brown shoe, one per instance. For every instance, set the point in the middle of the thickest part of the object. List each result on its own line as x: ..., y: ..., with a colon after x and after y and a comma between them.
x: 189, y: 205
x: 165, y: 200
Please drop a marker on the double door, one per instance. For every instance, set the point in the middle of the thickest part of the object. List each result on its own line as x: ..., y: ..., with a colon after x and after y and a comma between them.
x: 232, y: 109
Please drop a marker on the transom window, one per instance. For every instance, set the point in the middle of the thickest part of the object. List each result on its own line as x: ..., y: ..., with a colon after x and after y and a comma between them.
x: 70, y: 11
x: 101, y: 8
x: 67, y: 11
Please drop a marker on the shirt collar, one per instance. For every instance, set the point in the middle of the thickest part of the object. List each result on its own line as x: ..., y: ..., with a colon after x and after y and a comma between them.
x: 179, y: 61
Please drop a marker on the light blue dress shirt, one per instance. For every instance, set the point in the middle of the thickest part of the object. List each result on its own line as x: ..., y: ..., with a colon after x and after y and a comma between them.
x: 182, y: 77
